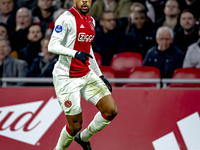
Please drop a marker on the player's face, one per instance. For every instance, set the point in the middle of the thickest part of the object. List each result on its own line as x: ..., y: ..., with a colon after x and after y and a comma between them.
x: 83, y: 5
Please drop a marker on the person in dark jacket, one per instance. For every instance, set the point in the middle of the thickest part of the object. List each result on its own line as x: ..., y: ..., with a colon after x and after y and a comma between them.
x: 9, y: 66
x: 155, y: 9
x: 171, y: 18
x: 192, y: 5
x: 30, y: 52
x: 166, y: 57
x: 23, y: 22
x: 107, y: 38
x: 140, y: 35
x: 43, y: 65
x: 188, y: 34
x: 7, y: 14
x: 43, y: 14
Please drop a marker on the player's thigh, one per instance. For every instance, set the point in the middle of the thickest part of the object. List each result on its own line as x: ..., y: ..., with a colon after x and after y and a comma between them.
x: 107, y: 106
x: 94, y: 89
x: 68, y: 99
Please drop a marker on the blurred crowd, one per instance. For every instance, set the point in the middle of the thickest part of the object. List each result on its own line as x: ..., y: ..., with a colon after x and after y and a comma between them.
x: 165, y: 32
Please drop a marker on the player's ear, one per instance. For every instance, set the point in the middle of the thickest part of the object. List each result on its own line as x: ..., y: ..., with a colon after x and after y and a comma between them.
x: 74, y: 2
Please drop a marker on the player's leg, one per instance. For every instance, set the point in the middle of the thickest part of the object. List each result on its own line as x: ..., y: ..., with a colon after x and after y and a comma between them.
x: 68, y: 95
x: 97, y: 93
x: 69, y: 131
x: 107, y: 111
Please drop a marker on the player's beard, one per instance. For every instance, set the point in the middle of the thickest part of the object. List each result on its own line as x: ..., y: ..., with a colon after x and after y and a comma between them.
x: 84, y: 11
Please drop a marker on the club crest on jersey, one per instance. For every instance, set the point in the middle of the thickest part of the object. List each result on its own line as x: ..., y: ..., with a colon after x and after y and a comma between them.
x: 68, y: 103
x: 58, y: 28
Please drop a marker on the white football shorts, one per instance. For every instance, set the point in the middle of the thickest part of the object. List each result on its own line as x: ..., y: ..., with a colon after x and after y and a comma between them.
x: 70, y: 90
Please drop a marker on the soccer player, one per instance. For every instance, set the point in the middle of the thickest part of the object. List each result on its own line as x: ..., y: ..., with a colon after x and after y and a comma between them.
x: 77, y: 74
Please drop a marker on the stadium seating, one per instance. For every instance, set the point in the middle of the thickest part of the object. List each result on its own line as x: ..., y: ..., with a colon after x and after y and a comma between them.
x: 108, y: 72
x: 186, y: 73
x: 145, y: 72
x: 123, y: 62
x: 98, y: 58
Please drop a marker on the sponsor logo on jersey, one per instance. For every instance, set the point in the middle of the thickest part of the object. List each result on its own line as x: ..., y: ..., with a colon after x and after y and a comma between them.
x: 83, y: 37
x: 82, y: 26
x: 58, y: 28
x: 28, y: 122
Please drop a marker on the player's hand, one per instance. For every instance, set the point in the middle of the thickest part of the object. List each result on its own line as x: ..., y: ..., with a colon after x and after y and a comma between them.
x: 106, y: 82
x: 82, y: 56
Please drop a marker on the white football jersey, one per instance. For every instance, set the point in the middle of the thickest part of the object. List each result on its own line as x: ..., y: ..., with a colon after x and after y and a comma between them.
x: 73, y: 32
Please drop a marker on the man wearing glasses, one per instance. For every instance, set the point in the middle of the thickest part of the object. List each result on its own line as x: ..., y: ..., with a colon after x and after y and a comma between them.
x: 107, y: 37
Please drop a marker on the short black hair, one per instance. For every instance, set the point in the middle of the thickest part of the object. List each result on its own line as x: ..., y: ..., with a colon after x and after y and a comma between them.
x: 5, y: 26
x: 105, y: 12
x: 190, y: 11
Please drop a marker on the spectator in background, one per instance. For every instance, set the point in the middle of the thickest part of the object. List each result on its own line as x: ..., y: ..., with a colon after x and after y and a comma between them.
x: 192, y: 5
x: 166, y: 57
x: 9, y: 66
x: 120, y: 8
x: 155, y: 9
x: 188, y: 34
x: 127, y: 21
x: 140, y: 35
x: 7, y: 14
x: 30, y: 52
x: 43, y: 14
x: 43, y: 66
x: 171, y: 18
x: 136, y: 6
x: 56, y: 14
x: 63, y: 4
x: 30, y: 4
x: 107, y: 37
x: 192, y: 57
x: 23, y: 22
x: 4, y: 34
x: 3, y: 31
x: 140, y: 1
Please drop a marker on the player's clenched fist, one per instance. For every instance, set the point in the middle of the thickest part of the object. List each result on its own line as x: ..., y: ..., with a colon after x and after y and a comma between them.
x: 82, y: 56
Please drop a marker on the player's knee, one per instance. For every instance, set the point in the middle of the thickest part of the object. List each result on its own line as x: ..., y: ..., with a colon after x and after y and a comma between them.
x: 111, y: 113
x: 114, y: 112
x: 76, y: 127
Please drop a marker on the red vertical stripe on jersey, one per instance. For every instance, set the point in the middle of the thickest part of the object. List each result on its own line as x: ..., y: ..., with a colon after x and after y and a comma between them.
x: 85, y: 34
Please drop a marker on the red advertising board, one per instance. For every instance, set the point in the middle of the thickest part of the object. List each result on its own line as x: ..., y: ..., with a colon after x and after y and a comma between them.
x: 148, y: 119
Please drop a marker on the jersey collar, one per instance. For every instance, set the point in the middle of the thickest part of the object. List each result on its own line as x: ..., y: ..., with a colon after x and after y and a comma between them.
x: 81, y: 15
